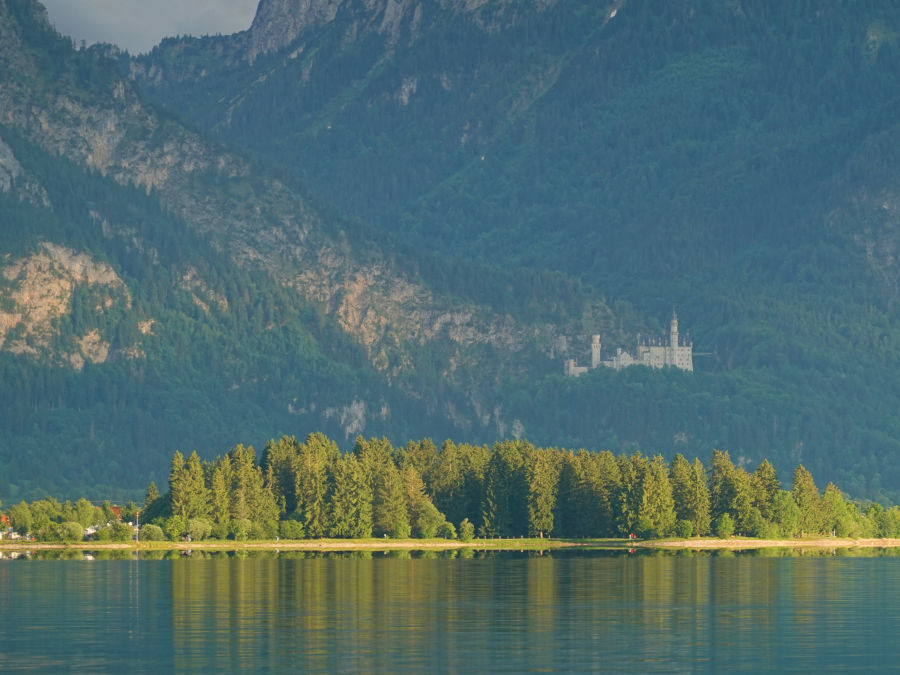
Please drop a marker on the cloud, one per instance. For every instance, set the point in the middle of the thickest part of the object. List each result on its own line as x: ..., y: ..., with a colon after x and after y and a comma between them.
x: 139, y: 25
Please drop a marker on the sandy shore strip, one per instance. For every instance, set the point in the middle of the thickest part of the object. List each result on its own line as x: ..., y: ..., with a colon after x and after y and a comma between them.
x: 741, y: 543
x: 309, y: 545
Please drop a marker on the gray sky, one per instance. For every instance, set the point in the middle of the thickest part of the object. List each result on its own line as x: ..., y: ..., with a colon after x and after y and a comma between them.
x: 139, y: 25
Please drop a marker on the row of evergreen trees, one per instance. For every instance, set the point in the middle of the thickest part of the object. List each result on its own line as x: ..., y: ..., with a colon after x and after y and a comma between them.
x: 309, y: 489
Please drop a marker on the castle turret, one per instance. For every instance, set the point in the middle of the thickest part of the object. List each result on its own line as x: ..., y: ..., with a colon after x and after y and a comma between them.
x: 673, y: 339
x: 595, y: 351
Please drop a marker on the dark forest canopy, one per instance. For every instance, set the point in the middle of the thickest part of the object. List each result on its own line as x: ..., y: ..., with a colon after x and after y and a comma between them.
x: 310, y: 489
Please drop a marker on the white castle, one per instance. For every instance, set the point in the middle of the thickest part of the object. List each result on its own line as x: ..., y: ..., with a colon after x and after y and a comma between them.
x: 656, y: 352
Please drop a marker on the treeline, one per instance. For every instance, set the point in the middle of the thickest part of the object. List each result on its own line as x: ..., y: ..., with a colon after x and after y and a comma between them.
x: 310, y: 490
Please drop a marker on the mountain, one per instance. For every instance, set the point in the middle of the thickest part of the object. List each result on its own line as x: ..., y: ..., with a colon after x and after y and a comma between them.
x: 398, y: 216
x: 161, y: 291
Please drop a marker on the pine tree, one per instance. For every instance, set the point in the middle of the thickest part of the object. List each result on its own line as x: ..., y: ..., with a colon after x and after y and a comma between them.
x: 220, y: 494
x: 447, y: 482
x: 571, y: 514
x: 423, y: 456
x: 656, y: 516
x: 747, y: 519
x: 187, y: 487
x: 699, y: 499
x: 542, y: 474
x: 604, y: 481
x: 632, y: 470
x: 280, y: 458
x: 766, y: 487
x: 505, y: 507
x: 151, y: 495
x: 425, y: 519
x: 390, y: 511
x: 721, y: 484
x: 680, y: 479
x: 350, y: 507
x: 809, y: 503
x: 313, y: 466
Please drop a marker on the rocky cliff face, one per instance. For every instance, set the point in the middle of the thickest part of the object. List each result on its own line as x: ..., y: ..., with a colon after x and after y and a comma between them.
x: 36, y: 292
x: 279, y: 22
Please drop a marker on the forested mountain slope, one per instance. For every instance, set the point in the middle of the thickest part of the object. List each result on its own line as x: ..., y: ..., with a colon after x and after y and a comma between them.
x: 160, y: 291
x: 734, y: 159
x: 382, y: 217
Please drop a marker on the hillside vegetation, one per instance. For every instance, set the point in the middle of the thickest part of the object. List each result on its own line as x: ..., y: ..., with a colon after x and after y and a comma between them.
x: 381, y: 218
x: 732, y: 159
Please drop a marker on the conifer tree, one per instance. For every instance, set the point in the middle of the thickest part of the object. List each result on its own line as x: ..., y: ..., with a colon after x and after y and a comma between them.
x: 809, y: 503
x: 680, y: 479
x: 569, y: 516
x: 350, y: 513
x: 542, y: 474
x: 747, y: 519
x: 423, y: 456
x: 187, y: 487
x: 220, y: 494
x: 699, y: 499
x: 314, y: 465
x: 473, y: 460
x: 390, y: 511
x: 766, y: 487
x: 656, y: 517
x: 424, y: 517
x: 151, y: 495
x: 505, y: 507
x: 837, y: 514
x: 721, y: 484
x: 280, y: 458
x: 605, y: 483
x: 447, y: 482
x: 632, y: 470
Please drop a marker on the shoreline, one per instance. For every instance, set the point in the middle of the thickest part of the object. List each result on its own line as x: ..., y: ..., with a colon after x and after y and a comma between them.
x: 450, y: 544
x: 740, y: 543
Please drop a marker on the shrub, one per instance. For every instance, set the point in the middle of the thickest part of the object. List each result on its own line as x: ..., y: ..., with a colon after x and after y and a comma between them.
x: 725, y: 526
x: 446, y: 530
x: 175, y: 527
x: 684, y: 529
x: 70, y: 531
x: 291, y: 529
x: 428, y: 521
x: 198, y: 529
x: 120, y: 531
x: 265, y: 529
x: 152, y: 532
x: 466, y: 530
x: 239, y: 529
x: 219, y: 531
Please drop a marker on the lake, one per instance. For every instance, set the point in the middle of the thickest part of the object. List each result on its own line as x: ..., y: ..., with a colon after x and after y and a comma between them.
x: 470, y: 612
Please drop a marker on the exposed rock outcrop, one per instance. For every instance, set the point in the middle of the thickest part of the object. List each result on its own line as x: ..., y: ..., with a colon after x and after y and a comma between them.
x: 279, y: 22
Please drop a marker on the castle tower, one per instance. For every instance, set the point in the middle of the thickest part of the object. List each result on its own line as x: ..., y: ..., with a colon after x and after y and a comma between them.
x: 673, y: 339
x: 595, y: 351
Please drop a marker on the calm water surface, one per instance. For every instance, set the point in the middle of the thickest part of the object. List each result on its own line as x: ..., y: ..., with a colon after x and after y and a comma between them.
x: 492, y: 612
